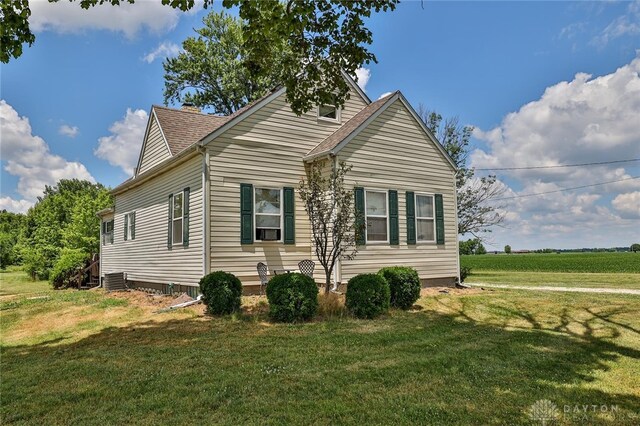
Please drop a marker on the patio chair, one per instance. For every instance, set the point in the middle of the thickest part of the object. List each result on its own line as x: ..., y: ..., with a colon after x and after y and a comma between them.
x: 306, y: 267
x: 264, y: 276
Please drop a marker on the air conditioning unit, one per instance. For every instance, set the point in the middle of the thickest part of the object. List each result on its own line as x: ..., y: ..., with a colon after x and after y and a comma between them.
x: 268, y: 234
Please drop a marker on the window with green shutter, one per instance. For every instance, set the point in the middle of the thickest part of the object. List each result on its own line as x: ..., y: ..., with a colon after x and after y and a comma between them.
x: 178, y: 221
x: 185, y: 217
x: 394, y: 228
x: 425, y: 218
x: 246, y: 213
x: 289, y: 215
x: 130, y: 226
x: 360, y: 216
x: 439, y: 219
x: 411, y: 217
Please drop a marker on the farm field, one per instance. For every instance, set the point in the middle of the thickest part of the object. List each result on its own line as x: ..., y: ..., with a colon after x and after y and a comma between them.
x: 626, y: 263
x: 467, y: 357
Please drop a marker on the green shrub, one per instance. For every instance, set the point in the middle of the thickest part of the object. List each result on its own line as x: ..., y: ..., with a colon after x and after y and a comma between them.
x: 404, y: 285
x: 465, y: 271
x: 221, y: 293
x: 65, y: 270
x: 292, y: 297
x: 368, y: 295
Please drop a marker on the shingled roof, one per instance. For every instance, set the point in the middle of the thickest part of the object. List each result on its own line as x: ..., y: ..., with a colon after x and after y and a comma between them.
x: 327, y: 145
x: 184, y: 128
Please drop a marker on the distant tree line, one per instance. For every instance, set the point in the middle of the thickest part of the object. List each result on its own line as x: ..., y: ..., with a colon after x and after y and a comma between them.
x: 62, y: 221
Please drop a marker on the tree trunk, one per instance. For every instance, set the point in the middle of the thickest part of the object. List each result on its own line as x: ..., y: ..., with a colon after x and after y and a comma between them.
x: 327, y: 283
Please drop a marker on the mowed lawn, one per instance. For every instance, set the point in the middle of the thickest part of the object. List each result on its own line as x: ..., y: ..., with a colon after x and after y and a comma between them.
x: 474, y: 357
x: 555, y: 279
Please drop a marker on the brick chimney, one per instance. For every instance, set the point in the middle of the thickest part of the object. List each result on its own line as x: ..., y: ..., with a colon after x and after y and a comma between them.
x: 189, y: 107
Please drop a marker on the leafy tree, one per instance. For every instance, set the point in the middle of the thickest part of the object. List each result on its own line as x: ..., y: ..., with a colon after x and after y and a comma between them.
x: 471, y: 246
x: 63, y: 218
x: 325, y: 38
x: 10, y: 226
x: 507, y: 249
x: 635, y: 247
x: 331, y: 210
x: 210, y: 72
x: 477, y: 213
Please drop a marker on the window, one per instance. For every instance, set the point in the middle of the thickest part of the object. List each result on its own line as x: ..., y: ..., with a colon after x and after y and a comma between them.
x: 130, y: 226
x: 268, y: 214
x: 377, y: 216
x: 425, y: 223
x: 329, y: 113
x: 178, y: 218
x: 107, y: 232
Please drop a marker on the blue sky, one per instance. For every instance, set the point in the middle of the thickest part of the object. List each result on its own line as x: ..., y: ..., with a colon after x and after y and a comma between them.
x: 75, y: 103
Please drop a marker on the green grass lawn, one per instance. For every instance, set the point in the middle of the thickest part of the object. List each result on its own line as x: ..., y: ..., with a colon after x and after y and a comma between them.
x: 15, y: 282
x: 472, y: 358
x: 555, y: 279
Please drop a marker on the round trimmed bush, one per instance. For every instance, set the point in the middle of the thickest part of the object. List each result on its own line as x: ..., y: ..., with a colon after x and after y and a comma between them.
x: 292, y: 297
x: 404, y: 284
x: 367, y: 295
x: 221, y: 293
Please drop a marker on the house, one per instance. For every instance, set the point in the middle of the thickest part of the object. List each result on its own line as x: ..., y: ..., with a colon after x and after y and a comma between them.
x: 219, y: 193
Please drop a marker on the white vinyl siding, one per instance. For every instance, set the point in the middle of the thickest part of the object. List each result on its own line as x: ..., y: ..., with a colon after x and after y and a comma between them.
x: 155, y: 149
x: 265, y: 150
x: 146, y: 258
x: 394, y: 153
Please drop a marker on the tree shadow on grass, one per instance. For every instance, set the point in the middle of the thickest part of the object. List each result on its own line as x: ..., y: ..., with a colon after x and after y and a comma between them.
x: 424, y: 367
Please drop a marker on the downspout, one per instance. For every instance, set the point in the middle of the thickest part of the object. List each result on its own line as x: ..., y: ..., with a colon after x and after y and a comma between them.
x: 455, y: 208
x: 206, y: 217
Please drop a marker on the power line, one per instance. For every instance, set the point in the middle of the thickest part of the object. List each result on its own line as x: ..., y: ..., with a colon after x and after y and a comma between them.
x: 560, y: 166
x: 563, y: 189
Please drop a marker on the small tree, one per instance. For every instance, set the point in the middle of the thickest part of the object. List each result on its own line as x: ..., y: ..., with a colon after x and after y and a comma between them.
x: 635, y: 247
x: 507, y: 249
x: 332, y: 214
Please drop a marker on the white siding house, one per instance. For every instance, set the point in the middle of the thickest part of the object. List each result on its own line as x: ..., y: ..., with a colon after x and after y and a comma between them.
x: 240, y: 173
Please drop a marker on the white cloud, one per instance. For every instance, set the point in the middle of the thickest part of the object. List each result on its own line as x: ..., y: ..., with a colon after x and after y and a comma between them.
x: 628, y: 204
x: 15, y: 206
x: 28, y: 157
x: 385, y: 94
x: 164, y: 50
x: 624, y: 25
x: 122, y: 147
x: 362, y: 77
x: 129, y: 19
x: 585, y: 120
x: 70, y: 131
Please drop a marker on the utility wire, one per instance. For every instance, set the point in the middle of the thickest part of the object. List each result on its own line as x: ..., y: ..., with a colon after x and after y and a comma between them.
x: 563, y: 189
x: 559, y: 166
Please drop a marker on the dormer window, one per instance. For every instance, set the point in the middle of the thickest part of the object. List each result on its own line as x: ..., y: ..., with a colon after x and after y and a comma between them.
x: 329, y: 113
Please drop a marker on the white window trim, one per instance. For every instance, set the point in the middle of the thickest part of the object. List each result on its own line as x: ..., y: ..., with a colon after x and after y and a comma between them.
x: 433, y: 215
x: 338, y: 118
x: 366, y: 216
x: 255, y: 240
x: 173, y: 219
x: 129, y: 227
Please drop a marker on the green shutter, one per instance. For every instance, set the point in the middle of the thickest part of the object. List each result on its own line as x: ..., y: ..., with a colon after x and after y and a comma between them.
x: 113, y: 231
x: 394, y: 232
x: 185, y: 220
x: 246, y: 213
x: 133, y: 225
x: 360, y: 217
x: 289, y: 216
x: 439, y: 220
x: 411, y: 218
x: 170, y: 223
x: 126, y: 222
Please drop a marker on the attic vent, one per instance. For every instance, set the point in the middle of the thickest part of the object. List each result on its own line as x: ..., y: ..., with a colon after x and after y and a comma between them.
x: 188, y: 106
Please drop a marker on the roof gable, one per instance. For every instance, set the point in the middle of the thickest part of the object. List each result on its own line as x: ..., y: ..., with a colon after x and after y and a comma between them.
x: 341, y: 137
